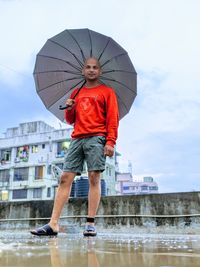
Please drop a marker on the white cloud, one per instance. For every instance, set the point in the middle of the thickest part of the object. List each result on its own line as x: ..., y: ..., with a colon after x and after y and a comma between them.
x: 10, y: 77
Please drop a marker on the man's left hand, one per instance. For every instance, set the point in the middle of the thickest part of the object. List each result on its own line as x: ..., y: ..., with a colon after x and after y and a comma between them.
x: 108, y: 150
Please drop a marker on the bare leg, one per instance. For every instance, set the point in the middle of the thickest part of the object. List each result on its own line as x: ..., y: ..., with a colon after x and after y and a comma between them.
x: 94, y: 194
x: 61, y: 198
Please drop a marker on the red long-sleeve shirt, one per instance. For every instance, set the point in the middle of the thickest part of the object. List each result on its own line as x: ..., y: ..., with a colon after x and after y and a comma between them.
x: 95, y: 113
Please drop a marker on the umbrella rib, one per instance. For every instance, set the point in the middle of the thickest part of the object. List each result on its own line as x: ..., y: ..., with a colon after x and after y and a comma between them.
x: 65, y: 93
x: 69, y: 63
x: 112, y: 80
x: 53, y: 71
x: 91, y: 52
x: 125, y: 71
x: 74, y: 78
x: 123, y: 54
x: 120, y: 99
x: 78, y: 46
x: 80, y: 63
x: 104, y: 48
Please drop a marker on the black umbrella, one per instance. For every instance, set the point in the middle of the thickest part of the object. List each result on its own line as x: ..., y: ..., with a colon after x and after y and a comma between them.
x: 59, y: 65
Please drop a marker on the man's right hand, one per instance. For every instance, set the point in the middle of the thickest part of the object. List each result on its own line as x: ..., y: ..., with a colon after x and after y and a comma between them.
x: 108, y: 150
x: 70, y: 103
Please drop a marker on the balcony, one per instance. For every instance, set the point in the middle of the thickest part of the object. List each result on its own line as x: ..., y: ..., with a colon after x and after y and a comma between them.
x: 4, y: 185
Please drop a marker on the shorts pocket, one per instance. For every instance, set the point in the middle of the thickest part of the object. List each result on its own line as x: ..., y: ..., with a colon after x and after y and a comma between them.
x: 101, y: 140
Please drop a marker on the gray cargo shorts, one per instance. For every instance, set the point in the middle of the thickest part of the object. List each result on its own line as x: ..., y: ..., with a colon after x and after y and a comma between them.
x: 89, y: 149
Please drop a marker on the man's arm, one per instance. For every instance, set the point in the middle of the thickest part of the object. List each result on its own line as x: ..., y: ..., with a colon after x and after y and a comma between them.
x: 70, y: 111
x: 112, y: 123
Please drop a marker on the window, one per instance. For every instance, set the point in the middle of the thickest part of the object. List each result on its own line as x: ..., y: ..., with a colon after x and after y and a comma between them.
x: 4, y: 195
x: 49, y: 169
x: 37, y: 193
x: 39, y: 172
x: 43, y: 146
x: 62, y: 147
x: 19, y: 193
x: 34, y: 149
x: 153, y: 188
x: 22, y: 153
x: 20, y: 174
x: 4, y: 176
x: 49, y: 192
x: 5, y: 155
x: 144, y: 187
x: 125, y: 187
x: 132, y: 188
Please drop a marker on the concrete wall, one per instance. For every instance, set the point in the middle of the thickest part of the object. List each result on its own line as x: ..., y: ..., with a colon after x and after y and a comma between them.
x: 156, y: 213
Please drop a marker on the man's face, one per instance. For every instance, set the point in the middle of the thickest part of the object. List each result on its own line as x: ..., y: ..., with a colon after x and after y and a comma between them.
x: 91, y: 70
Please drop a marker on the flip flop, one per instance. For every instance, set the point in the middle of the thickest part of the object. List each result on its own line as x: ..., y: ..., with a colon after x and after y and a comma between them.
x: 45, y: 230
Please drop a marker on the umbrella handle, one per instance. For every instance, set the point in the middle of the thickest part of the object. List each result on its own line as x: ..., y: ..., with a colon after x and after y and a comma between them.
x: 66, y: 106
x: 63, y: 107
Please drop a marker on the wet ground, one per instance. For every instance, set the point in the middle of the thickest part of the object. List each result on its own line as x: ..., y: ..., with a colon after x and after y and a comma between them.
x: 106, y: 250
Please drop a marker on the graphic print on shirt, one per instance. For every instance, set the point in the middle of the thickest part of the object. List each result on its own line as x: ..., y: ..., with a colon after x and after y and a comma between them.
x: 87, y: 104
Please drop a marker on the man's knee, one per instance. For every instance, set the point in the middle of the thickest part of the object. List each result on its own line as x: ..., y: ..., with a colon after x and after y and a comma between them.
x: 94, y: 178
x: 66, y: 178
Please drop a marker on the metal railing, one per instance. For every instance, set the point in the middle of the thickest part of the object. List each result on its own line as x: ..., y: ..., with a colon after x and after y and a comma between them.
x: 108, y: 216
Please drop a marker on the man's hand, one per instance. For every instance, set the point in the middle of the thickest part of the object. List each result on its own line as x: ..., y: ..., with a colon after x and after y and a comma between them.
x: 108, y: 150
x: 70, y: 103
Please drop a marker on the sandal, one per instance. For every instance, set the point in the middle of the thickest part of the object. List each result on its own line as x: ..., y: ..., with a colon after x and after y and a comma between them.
x: 45, y: 230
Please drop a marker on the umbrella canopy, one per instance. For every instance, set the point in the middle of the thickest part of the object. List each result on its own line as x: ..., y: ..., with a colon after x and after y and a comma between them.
x: 58, y: 68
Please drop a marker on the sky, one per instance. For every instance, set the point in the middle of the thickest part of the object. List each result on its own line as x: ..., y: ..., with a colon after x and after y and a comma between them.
x: 160, y: 136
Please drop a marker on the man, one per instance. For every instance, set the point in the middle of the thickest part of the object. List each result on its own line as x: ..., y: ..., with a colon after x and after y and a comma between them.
x: 94, y: 113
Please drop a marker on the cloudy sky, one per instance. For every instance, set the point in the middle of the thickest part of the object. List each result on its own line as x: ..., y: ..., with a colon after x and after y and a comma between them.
x: 161, y: 134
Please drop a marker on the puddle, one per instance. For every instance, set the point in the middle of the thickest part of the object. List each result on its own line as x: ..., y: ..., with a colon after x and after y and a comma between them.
x: 105, y: 250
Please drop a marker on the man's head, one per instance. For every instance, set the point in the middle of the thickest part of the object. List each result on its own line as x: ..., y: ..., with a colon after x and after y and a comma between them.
x: 91, y: 69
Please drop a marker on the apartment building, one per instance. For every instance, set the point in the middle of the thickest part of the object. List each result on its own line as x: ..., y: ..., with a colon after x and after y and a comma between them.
x: 27, y: 154
x: 125, y: 185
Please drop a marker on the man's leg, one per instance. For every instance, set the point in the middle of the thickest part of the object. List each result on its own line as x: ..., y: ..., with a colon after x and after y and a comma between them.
x: 73, y: 164
x: 94, y: 194
x: 95, y: 158
x: 61, y: 198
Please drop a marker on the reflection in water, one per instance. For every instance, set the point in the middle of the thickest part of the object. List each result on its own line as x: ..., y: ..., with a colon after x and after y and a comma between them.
x: 92, y: 257
x: 22, y: 250
x: 92, y: 260
x: 54, y: 253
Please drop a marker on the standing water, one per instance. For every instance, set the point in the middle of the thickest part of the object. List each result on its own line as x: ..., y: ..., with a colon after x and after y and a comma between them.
x: 107, y: 249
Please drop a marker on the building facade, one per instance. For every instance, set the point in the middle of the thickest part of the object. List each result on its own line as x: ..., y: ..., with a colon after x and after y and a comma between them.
x: 127, y: 186
x: 27, y: 154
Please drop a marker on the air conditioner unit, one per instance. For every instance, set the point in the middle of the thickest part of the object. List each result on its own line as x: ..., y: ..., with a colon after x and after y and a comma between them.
x: 56, y: 171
